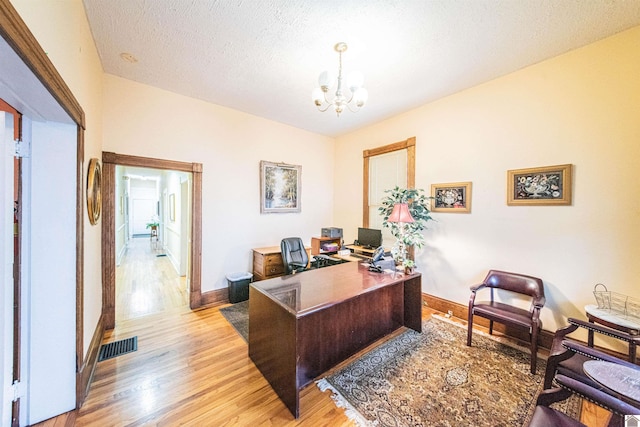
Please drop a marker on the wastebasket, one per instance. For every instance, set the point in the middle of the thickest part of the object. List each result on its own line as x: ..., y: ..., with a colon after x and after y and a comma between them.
x: 238, y: 286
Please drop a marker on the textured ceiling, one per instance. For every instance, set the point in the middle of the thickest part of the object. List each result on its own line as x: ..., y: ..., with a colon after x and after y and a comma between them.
x: 263, y: 56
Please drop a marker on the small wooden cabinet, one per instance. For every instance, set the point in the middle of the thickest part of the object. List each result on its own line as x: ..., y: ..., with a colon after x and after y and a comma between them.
x: 267, y: 262
x: 325, y: 245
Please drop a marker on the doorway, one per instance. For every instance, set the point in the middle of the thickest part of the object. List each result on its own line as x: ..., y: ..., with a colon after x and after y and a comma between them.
x: 111, y: 226
x: 152, y: 241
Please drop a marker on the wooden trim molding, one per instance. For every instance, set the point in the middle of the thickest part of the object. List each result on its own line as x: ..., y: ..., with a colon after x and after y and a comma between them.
x: 88, y: 366
x: 17, y: 35
x: 109, y: 162
x: 410, y: 145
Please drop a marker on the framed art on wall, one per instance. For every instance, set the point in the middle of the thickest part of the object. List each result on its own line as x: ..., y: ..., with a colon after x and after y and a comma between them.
x: 280, y: 187
x: 549, y: 185
x: 453, y: 197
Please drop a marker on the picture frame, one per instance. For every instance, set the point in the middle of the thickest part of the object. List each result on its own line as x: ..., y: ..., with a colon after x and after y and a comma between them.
x: 454, y: 197
x: 280, y: 188
x: 172, y: 206
x: 548, y: 185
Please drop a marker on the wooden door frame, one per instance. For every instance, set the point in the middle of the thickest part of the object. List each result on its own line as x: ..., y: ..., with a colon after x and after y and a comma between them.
x: 408, y: 144
x: 17, y: 35
x: 109, y: 163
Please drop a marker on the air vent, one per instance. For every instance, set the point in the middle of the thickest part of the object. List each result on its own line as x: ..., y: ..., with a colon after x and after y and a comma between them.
x: 117, y: 348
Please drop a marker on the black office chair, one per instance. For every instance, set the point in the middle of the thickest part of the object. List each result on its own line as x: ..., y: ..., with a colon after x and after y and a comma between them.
x: 294, y: 255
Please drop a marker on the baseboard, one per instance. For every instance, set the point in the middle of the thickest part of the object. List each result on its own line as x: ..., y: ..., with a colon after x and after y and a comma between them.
x: 88, y: 366
x: 545, y: 338
x: 215, y: 297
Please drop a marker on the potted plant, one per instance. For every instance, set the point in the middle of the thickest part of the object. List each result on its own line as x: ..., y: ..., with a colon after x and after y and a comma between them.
x: 408, y: 265
x: 153, y: 225
x: 407, y: 234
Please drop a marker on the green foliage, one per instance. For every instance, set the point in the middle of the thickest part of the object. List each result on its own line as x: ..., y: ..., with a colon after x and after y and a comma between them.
x: 418, y: 207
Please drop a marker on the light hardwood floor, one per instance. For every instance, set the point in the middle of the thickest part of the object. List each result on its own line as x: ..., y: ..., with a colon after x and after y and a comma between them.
x: 191, y: 367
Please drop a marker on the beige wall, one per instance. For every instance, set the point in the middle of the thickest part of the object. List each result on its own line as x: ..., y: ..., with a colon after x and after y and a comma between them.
x: 74, y: 55
x: 580, y: 108
x: 145, y: 121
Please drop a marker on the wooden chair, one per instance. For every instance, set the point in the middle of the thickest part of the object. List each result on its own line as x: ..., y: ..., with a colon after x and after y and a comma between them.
x: 545, y: 416
x: 567, y: 355
x: 507, y: 314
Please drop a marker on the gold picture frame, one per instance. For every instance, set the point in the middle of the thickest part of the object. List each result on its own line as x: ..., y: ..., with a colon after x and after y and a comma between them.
x: 280, y: 188
x: 94, y: 190
x: 172, y: 206
x: 454, y: 197
x: 549, y: 185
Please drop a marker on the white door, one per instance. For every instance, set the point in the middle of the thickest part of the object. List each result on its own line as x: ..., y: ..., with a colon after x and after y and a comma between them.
x: 143, y: 210
x: 6, y: 255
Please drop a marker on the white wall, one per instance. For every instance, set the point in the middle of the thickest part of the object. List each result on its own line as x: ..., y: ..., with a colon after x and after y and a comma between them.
x: 144, y: 121
x: 62, y: 30
x: 579, y: 108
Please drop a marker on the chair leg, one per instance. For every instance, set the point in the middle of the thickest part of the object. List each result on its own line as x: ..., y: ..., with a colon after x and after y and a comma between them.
x: 469, y: 328
x: 490, y: 327
x: 534, y: 350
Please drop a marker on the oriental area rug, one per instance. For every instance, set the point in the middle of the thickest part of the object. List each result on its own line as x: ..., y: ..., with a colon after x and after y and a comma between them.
x: 434, y: 379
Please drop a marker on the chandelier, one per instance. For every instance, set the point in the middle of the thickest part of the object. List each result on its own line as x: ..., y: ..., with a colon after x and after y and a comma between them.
x: 354, y: 97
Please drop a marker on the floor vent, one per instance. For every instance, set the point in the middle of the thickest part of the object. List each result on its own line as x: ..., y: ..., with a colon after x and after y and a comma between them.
x: 117, y: 348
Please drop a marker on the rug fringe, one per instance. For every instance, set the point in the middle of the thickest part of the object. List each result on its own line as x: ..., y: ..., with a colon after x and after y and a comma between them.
x: 341, y: 402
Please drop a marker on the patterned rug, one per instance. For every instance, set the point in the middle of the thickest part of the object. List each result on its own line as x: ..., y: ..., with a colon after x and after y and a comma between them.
x: 238, y: 315
x: 434, y: 379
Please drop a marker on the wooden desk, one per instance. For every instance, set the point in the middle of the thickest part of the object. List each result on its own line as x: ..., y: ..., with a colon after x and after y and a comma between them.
x: 302, y: 324
x: 267, y: 262
x: 620, y: 379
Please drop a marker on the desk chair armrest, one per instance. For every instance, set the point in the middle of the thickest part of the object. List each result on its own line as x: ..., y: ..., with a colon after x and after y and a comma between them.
x: 594, y: 354
x: 552, y: 395
x: 477, y: 287
x: 605, y: 330
x: 596, y: 396
x: 539, y: 301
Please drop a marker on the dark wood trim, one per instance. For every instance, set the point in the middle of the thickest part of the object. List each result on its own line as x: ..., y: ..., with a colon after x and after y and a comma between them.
x: 109, y: 162
x: 81, y: 360
x: 108, y: 244
x: 17, y: 35
x: 88, y: 366
x: 410, y: 145
x: 214, y: 297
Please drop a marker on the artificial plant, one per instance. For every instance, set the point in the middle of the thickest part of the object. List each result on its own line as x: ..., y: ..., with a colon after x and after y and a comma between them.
x: 411, y: 235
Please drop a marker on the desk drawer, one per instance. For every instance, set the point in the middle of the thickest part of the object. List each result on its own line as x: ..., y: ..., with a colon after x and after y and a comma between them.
x: 273, y: 265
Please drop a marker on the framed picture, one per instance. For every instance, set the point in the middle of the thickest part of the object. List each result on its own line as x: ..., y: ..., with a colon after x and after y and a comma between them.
x: 172, y: 206
x: 280, y: 187
x: 550, y: 185
x: 454, y: 197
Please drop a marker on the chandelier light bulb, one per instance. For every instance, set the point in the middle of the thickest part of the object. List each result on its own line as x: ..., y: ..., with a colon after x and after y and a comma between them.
x: 353, y: 96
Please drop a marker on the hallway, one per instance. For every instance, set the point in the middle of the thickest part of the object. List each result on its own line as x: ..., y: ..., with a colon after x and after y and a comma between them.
x: 147, y: 282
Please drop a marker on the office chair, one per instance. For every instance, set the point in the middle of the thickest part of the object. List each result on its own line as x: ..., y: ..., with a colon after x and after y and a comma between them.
x: 294, y: 255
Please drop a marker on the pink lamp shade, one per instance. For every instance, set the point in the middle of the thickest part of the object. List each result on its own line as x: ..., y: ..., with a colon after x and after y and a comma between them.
x: 400, y: 213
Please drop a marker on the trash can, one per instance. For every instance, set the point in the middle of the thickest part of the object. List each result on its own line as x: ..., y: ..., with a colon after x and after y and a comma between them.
x: 238, y: 286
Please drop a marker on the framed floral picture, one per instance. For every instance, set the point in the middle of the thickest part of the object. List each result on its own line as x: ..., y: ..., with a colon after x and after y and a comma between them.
x: 280, y: 187
x: 549, y: 185
x: 453, y: 197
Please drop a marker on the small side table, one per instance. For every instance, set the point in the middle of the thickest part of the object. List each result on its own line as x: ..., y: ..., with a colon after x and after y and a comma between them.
x: 615, y: 321
x: 620, y: 379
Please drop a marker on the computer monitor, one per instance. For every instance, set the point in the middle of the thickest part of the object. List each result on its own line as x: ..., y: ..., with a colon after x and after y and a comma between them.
x: 369, y: 237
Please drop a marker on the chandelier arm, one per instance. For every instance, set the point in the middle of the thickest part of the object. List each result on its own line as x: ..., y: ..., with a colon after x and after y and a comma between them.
x: 322, y: 110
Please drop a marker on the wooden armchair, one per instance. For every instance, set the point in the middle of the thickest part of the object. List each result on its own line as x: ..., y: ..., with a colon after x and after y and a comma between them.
x: 508, y: 314
x: 567, y: 356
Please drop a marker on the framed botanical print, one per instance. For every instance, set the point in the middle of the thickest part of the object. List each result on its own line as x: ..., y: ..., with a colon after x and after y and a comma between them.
x: 454, y: 197
x: 549, y: 185
x: 280, y: 187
